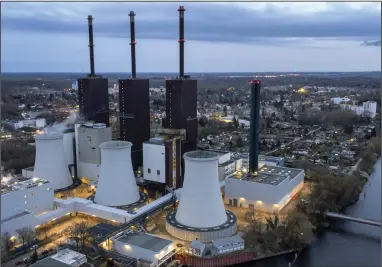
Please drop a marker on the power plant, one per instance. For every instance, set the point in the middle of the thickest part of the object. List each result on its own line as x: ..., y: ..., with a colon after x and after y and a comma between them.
x: 116, y: 185
x: 201, y: 214
x: 181, y: 101
x: 51, y: 163
x: 93, y: 93
x: 134, y: 106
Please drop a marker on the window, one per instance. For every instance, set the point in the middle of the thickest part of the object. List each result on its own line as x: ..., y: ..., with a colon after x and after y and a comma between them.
x: 149, y: 170
x: 158, y: 172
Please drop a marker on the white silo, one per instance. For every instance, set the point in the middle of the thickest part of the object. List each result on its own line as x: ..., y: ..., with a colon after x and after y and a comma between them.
x: 201, y: 214
x: 50, y: 162
x: 116, y: 184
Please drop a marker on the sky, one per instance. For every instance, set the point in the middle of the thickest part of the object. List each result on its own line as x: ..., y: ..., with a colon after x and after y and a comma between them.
x: 220, y: 37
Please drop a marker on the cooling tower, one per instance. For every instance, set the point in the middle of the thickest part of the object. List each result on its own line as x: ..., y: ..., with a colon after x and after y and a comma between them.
x: 51, y: 163
x: 201, y: 214
x: 116, y: 185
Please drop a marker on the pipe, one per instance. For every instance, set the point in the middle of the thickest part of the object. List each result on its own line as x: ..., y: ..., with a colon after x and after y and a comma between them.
x: 255, y: 126
x: 181, y: 41
x: 132, y: 43
x: 91, y: 45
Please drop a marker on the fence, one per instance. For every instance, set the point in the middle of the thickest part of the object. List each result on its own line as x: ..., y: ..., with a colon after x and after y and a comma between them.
x: 218, y: 261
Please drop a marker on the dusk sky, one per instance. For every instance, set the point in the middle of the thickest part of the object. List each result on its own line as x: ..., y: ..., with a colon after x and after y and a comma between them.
x: 220, y: 37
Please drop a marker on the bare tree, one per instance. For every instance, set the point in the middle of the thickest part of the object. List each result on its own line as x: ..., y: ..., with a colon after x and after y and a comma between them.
x: 26, y: 235
x: 79, y: 232
x: 6, y: 242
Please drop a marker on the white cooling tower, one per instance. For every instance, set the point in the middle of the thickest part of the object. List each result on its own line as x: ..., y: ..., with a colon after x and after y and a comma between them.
x: 201, y: 212
x: 201, y: 204
x: 116, y: 185
x: 50, y: 162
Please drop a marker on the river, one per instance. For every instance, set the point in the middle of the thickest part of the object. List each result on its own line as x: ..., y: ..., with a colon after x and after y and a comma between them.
x: 346, y: 243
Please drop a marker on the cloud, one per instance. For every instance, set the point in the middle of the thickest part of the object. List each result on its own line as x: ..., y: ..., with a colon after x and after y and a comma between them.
x: 269, y: 24
x: 372, y: 43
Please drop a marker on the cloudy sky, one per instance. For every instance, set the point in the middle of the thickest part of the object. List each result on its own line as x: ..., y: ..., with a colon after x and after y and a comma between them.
x: 220, y: 37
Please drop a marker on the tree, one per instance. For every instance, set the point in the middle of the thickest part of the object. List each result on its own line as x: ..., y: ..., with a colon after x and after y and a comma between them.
x: 79, y: 232
x: 239, y: 142
x: 203, y: 121
x: 26, y: 234
x: 225, y: 111
x: 235, y: 122
x: 6, y: 241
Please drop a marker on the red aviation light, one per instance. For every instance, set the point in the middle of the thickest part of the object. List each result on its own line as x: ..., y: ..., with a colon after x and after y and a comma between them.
x: 133, y: 43
x: 181, y: 40
x: 251, y: 81
x: 257, y: 81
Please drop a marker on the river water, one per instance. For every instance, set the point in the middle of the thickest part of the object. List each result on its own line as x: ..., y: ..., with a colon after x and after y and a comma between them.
x: 347, y: 243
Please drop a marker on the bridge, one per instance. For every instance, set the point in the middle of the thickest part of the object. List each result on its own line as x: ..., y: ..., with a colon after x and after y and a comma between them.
x: 353, y: 219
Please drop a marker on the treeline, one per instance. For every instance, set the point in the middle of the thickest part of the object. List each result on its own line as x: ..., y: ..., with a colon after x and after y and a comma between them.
x: 17, y: 155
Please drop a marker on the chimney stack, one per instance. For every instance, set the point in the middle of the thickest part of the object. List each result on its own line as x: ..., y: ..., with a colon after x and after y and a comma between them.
x: 132, y: 43
x: 255, y: 126
x: 181, y: 41
x: 91, y: 46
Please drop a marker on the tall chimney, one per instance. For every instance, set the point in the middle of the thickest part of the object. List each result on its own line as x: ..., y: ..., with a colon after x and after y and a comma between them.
x: 91, y: 45
x: 255, y: 126
x: 132, y: 43
x: 181, y: 41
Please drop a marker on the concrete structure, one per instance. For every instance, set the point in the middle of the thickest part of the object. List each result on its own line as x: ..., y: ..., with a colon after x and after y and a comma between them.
x: 201, y: 213
x: 116, y: 185
x: 70, y: 153
x: 162, y: 162
x: 268, y: 191
x: 70, y: 257
x: 20, y: 202
x: 51, y: 163
x: 27, y: 172
x: 263, y: 160
x: 339, y: 100
x: 228, y: 244
x: 36, y: 123
x: 196, y: 248
x: 152, y: 249
x: 88, y: 138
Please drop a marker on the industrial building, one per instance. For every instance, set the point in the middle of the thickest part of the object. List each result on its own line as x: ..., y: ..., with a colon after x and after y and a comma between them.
x: 88, y: 137
x: 228, y: 244
x: 93, y: 93
x: 37, y: 123
x: 181, y: 102
x: 62, y: 258
x: 162, y: 161
x: 269, y: 191
x: 116, y: 185
x: 262, y: 187
x: 51, y: 163
x: 20, y: 201
x: 150, y: 250
x: 201, y: 214
x: 134, y: 106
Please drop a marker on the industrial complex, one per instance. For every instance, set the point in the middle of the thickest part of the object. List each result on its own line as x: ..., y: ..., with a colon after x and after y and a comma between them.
x: 129, y: 180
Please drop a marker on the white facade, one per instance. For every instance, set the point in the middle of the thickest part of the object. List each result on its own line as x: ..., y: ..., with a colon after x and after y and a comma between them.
x: 143, y: 246
x: 116, y: 185
x: 88, y: 137
x: 68, y: 147
x: 37, y: 123
x: 370, y: 108
x: 339, y: 100
x: 22, y: 201
x: 201, y: 204
x: 262, y: 196
x: 27, y: 172
x: 51, y: 163
x: 228, y: 244
x: 154, y: 165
